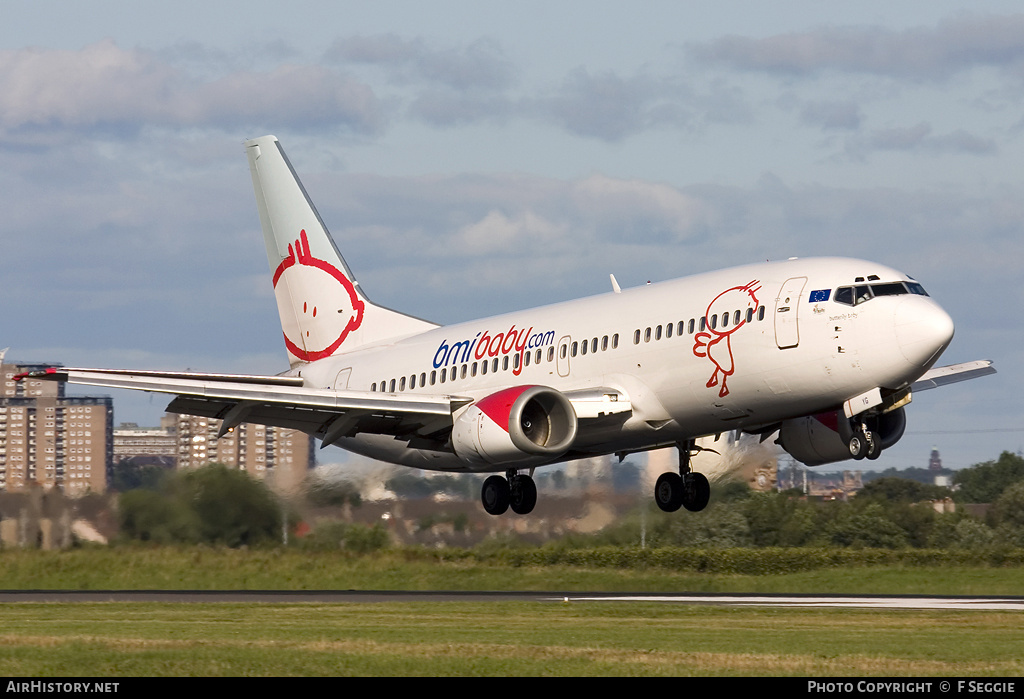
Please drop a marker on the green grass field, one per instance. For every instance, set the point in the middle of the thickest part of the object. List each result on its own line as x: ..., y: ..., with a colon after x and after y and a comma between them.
x: 494, y: 639
x: 203, y: 568
x: 499, y: 639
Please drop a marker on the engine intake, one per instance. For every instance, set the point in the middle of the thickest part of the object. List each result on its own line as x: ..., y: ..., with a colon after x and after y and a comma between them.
x: 520, y: 423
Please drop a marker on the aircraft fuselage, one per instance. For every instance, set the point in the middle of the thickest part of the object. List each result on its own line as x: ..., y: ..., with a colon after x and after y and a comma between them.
x: 740, y: 348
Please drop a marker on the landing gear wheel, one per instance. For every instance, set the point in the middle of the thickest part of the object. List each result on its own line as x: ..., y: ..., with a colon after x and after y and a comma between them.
x: 874, y: 449
x: 668, y: 491
x: 858, y: 445
x: 523, y: 495
x: 696, y: 491
x: 495, y: 495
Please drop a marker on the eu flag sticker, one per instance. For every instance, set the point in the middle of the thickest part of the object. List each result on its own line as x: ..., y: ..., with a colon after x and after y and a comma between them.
x: 820, y: 296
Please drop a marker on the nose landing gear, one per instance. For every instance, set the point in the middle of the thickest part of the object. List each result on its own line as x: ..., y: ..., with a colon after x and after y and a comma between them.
x: 865, y: 443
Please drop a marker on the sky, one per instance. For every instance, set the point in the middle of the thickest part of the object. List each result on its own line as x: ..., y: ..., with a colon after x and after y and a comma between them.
x: 473, y: 158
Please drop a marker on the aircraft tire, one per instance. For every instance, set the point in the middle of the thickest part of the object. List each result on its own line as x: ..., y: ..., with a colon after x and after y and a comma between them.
x: 668, y: 491
x: 495, y: 495
x: 696, y: 491
x: 523, y: 495
x: 858, y: 445
x: 874, y: 448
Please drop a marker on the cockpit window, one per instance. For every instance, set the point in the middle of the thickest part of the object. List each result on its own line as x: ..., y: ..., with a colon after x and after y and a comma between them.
x: 856, y: 295
x: 894, y: 289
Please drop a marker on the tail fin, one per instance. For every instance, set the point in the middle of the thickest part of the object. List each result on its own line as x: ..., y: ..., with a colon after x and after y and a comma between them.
x: 323, y: 311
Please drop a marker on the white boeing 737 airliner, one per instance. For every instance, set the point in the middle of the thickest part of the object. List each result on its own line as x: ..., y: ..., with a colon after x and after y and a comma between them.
x: 825, y: 352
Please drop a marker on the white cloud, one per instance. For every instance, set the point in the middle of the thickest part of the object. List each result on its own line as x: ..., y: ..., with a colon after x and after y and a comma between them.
x: 103, y: 86
x: 479, y: 65
x: 951, y: 46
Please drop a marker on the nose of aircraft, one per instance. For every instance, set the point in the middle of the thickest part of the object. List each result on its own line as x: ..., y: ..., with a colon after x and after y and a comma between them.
x: 923, y: 330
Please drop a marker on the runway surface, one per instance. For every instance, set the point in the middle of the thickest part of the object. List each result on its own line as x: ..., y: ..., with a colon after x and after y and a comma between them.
x: 369, y: 596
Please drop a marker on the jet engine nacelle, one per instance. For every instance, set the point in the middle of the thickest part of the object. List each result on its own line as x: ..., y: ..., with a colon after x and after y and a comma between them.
x: 824, y: 439
x: 519, y: 423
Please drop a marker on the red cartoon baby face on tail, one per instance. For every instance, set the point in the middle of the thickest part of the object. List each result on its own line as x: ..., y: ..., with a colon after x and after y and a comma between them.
x: 318, y: 303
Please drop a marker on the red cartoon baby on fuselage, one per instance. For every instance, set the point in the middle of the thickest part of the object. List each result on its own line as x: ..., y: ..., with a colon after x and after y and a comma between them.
x: 715, y: 343
x: 321, y: 300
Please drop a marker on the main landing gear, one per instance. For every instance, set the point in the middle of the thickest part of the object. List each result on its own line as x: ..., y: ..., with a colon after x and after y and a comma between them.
x: 514, y: 489
x: 687, y: 488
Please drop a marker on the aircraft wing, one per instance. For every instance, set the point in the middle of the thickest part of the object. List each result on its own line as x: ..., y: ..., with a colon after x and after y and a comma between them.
x: 943, y: 375
x: 281, y: 401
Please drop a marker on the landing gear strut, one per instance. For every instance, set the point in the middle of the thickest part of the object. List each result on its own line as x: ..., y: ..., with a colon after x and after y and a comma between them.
x: 865, y: 443
x: 687, y: 488
x: 515, y: 490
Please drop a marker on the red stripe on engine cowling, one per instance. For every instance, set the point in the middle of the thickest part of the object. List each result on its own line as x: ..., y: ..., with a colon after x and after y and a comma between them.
x: 498, y: 406
x: 829, y: 420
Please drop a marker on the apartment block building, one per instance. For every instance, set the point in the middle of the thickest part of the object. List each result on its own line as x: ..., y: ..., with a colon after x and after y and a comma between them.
x: 155, y: 445
x: 280, y: 456
x: 50, y: 439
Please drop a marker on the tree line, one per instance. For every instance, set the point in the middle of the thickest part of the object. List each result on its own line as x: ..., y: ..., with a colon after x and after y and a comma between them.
x: 218, y: 505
